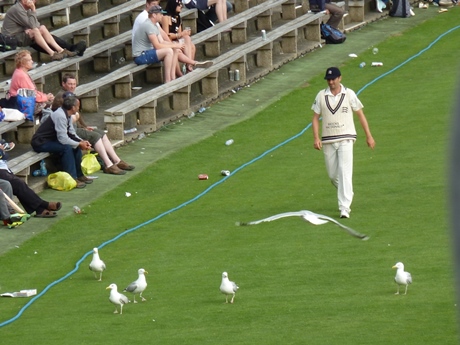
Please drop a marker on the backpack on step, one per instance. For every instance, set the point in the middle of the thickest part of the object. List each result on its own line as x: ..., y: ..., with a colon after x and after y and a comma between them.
x: 332, y: 35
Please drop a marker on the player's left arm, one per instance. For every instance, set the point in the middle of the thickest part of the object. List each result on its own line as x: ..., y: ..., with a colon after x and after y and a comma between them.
x: 362, y: 119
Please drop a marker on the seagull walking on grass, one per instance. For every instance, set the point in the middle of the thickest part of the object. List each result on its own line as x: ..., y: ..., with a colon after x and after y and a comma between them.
x: 96, y: 264
x: 228, y: 287
x: 138, y: 286
x: 314, y: 218
x: 402, y: 277
x: 117, y: 298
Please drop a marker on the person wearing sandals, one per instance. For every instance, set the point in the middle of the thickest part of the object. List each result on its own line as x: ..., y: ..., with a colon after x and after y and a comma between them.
x: 97, y: 137
x: 172, y: 25
x: 27, y: 197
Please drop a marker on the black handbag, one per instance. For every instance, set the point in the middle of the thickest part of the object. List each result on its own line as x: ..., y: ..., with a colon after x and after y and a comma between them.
x: 8, y: 43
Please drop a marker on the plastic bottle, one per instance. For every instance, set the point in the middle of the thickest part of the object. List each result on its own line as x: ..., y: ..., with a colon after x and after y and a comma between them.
x: 132, y: 130
x: 37, y: 173
x: 229, y: 142
x: 43, y: 171
x: 76, y: 209
x: 202, y: 110
x: 375, y: 51
x: 362, y: 64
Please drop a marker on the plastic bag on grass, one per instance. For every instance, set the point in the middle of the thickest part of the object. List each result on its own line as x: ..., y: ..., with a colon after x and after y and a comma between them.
x: 61, y: 181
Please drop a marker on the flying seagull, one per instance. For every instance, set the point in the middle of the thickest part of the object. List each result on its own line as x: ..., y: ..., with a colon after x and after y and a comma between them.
x: 117, y: 298
x: 402, y: 277
x: 228, y: 287
x: 138, y: 286
x: 314, y: 218
x: 97, y: 265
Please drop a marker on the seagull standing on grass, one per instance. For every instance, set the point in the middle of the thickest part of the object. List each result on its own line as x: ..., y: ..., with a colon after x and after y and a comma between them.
x: 228, y: 287
x: 117, y: 298
x: 402, y: 277
x: 138, y: 286
x: 97, y: 265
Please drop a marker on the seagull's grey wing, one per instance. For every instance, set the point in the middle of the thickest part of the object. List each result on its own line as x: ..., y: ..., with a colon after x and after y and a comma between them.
x: 131, y: 287
x: 346, y: 228
x: 103, y: 266
x: 123, y: 299
x: 234, y: 286
x: 275, y: 217
x: 409, y: 278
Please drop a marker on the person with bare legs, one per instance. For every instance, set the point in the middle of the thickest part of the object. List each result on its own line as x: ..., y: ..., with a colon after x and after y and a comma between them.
x: 21, y: 22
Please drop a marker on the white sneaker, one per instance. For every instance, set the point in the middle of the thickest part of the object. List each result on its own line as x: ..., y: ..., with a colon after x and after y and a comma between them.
x: 344, y: 214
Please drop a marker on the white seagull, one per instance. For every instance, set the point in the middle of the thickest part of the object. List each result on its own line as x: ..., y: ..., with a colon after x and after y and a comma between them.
x: 117, y: 298
x: 97, y: 265
x: 228, y: 287
x: 314, y: 218
x: 138, y: 286
x: 402, y: 277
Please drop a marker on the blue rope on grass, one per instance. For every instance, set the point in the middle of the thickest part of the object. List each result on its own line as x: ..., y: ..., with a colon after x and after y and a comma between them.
x: 79, y: 262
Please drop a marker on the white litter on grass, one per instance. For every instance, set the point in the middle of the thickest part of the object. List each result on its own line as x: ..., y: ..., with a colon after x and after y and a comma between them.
x: 127, y: 194
x: 353, y: 55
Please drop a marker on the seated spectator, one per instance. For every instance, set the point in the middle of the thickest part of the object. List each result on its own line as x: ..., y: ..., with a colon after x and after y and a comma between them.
x: 182, y: 56
x: 149, y: 46
x: 21, y: 22
x: 203, y: 5
x: 22, y: 80
x: 172, y: 26
x: 336, y: 14
x: 97, y: 138
x: 57, y: 135
x: 8, y: 215
x: 27, y: 197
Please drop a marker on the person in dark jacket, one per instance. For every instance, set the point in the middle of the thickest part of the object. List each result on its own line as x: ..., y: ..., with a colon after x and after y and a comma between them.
x: 57, y: 135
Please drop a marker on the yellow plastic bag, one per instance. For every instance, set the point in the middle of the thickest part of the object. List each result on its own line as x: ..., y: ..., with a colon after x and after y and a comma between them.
x: 90, y: 164
x: 61, y: 181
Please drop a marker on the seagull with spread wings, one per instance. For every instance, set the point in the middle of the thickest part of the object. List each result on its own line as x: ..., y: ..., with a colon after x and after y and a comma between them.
x: 314, y: 218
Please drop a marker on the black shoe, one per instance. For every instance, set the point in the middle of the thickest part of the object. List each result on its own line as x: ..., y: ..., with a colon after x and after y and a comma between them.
x: 80, y: 48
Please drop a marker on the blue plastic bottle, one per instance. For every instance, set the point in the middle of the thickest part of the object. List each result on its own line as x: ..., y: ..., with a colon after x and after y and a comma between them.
x: 43, y: 170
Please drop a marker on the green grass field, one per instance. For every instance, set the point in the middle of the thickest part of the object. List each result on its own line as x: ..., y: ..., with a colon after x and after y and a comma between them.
x: 299, y: 283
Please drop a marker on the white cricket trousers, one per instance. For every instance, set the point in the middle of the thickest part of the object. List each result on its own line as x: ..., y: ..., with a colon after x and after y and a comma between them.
x: 339, y: 165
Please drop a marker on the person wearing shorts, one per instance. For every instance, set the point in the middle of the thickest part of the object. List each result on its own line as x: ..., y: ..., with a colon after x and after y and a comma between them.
x: 336, y: 105
x: 149, y: 48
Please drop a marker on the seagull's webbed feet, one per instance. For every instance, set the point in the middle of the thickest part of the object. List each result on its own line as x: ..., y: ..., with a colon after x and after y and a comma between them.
x: 134, y: 299
x: 116, y: 311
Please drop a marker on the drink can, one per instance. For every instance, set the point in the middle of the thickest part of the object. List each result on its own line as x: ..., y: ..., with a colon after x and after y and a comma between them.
x: 231, y: 75
x: 225, y: 172
x: 76, y: 209
x: 203, y: 177
x: 264, y: 35
x: 237, y: 74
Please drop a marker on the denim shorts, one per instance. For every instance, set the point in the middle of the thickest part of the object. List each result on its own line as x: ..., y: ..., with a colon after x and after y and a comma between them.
x: 147, y: 57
